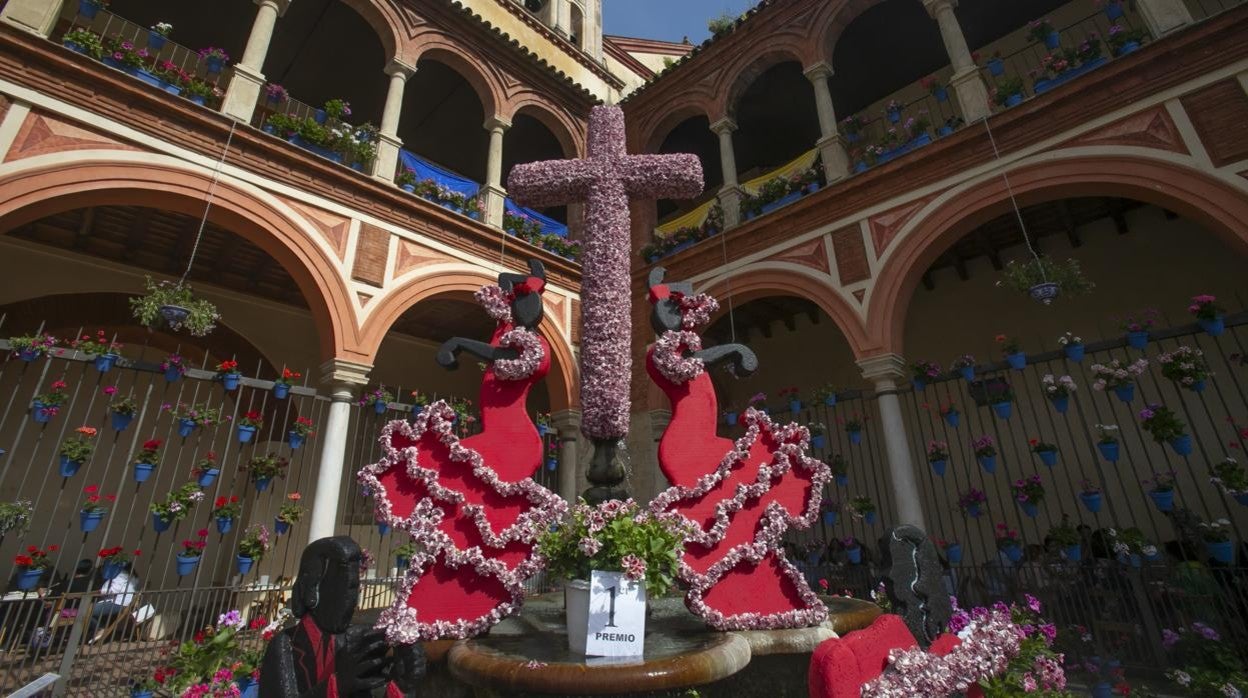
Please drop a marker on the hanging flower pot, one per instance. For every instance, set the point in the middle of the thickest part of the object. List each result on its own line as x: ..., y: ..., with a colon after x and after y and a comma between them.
x: 1052, y: 40
x: 401, y: 562
x: 280, y: 526
x: 224, y: 524
x: 941, y: 94
x: 919, y: 384
x: 104, y: 362
x: 1222, y: 551
x: 795, y: 405
x: 186, y: 427
x: 380, y: 406
x: 1137, y: 340
x: 173, y: 374
x: 894, y: 115
x: 829, y: 518
x: 1003, y: 409
x: 160, y: 524
x: 1241, y: 498
x: 320, y: 116
x: 142, y: 471
x: 730, y: 418
x: 988, y: 463
x: 1109, y: 450
x: 1017, y: 360
x: 295, y: 439
x: 111, y: 570
x: 552, y: 464
x: 121, y: 421
x: 69, y: 467
x: 174, y: 315
x: 1113, y: 10
x: 953, y: 553
x: 842, y: 480
x: 854, y: 554
x: 1197, y: 386
x: 1073, y: 553
x: 1061, y: 404
x: 1045, y: 292
x: 383, y: 528
x: 953, y: 418
x: 1126, y: 393
x: 1012, y: 552
x: 1091, y: 501
x: 1163, y: 500
x: 262, y: 483
x: 230, y: 381
x: 208, y: 476
x: 1075, y: 352
x: 90, y: 520
x: 28, y: 355
x: 968, y: 373
x: 938, y: 467
x: 1049, y: 458
x: 155, y: 40
x: 869, y: 518
x: 1029, y: 509
x: 244, y: 564
x: 88, y: 8
x: 973, y: 511
x: 830, y: 400
x: 186, y: 564
x: 818, y: 441
x: 29, y: 578
x: 1182, y: 445
x: 41, y: 413
x: 996, y: 67
x: 245, y: 433
x: 280, y: 391
x: 855, y: 436
x: 1213, y: 327
x: 215, y: 64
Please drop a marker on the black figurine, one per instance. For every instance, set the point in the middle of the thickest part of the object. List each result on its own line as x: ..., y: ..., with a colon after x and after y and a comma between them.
x: 526, y: 311
x: 914, y: 582
x: 665, y: 315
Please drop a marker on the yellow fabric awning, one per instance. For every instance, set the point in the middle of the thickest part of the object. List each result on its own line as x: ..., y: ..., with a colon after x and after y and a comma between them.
x: 692, y: 219
x: 803, y: 162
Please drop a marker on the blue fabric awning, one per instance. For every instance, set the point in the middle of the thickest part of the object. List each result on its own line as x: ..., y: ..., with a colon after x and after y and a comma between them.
x: 549, y: 225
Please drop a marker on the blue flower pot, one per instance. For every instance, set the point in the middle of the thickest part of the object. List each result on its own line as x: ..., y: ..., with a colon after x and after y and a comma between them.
x: 944, y: 131
x: 121, y: 421
x: 1137, y: 340
x: 320, y: 116
x: 28, y: 579
x: 295, y: 439
x: 938, y: 466
x: 379, y: 406
x: 401, y: 562
x: 186, y: 427
x: 1074, y: 352
x: 1126, y: 393
x: 1213, y: 327
x: 215, y: 64
x: 1014, y: 100
x: 104, y: 362
x: 830, y: 401
x: 383, y: 528
x: 41, y: 413
x: 1182, y: 445
x: 1197, y: 386
x: 155, y: 40
x: 1113, y: 10
x: 894, y: 116
x: 88, y: 9
x: 159, y: 524
x: 1029, y: 509
x: 953, y: 419
x: 262, y: 484
x: 173, y: 374
x: 974, y: 511
x: 1127, y: 47
x: 187, y: 564
x: 1073, y: 553
x: 860, y: 167
x: 209, y: 476
x: 854, y: 554
x: 140, y: 694
x: 224, y: 524
x: 855, y: 436
x: 111, y: 569
x: 248, y: 687
x: 245, y: 433
x: 230, y: 381
x: 953, y: 553
x: 829, y: 518
x: 818, y: 441
x: 1013, y: 552
x: 280, y: 526
x: 244, y: 564
x: 69, y: 467
x: 198, y: 99
x: 280, y: 391
x: 869, y: 517
x: 1223, y: 551
x: 1049, y: 458
x: 919, y: 384
x: 1061, y: 404
x: 142, y: 471
x: 28, y: 355
x: 841, y: 480
x: 1053, y: 40
x: 1164, y: 501
x: 1109, y: 451
x: 730, y: 418
x: 1003, y: 409
x: 552, y: 464
x: 1017, y: 360
x: 941, y: 94
x: 1102, y: 690
x: 968, y: 373
x: 988, y: 463
x: 1241, y: 497
x: 90, y: 520
x: 1091, y: 501
x: 795, y: 405
x: 996, y: 67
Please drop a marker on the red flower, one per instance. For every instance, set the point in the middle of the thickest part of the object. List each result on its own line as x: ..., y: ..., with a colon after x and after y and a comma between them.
x: 202, y: 533
x: 137, y: 553
x: 1033, y: 442
x: 32, y: 548
x: 220, y: 502
x: 257, y: 623
x: 252, y: 415
x: 91, y: 489
x: 151, y: 445
x: 23, y: 561
x: 53, y: 548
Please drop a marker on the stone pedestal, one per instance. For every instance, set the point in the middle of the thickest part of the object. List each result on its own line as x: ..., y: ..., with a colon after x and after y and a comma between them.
x: 35, y: 16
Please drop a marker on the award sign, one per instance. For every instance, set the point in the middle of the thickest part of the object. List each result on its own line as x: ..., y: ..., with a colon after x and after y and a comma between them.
x: 617, y: 616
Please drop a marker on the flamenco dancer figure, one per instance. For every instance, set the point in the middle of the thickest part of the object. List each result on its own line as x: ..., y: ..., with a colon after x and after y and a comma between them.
x: 472, y: 504
x: 742, y: 495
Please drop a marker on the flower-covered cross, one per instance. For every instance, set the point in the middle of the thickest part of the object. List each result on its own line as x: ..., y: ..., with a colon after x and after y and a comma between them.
x: 605, y: 181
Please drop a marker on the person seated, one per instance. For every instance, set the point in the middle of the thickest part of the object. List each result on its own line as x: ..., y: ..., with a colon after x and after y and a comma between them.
x: 116, y: 596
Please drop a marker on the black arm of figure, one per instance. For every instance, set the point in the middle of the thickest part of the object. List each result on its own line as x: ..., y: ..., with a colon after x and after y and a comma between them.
x: 744, y: 362
x: 448, y: 353
x: 277, y: 672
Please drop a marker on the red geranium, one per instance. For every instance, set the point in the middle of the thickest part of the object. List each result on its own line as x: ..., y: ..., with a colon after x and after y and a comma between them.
x: 252, y: 418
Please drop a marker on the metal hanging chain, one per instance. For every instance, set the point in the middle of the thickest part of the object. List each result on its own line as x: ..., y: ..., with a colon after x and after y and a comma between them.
x: 212, y: 192
x: 1014, y: 202
x: 732, y: 320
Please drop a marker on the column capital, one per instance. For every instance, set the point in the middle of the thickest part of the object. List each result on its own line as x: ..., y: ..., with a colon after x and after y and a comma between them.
x: 818, y: 71
x: 342, y: 376
x: 659, y: 419
x: 836, y: 139
x: 566, y: 422
x: 280, y: 5
x: 724, y: 125
x: 885, y: 367
x: 397, y: 67
x: 934, y: 7
x: 497, y: 123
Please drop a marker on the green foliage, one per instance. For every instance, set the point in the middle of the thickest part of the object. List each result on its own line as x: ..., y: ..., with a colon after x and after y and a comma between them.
x: 201, y: 318
x: 1162, y: 423
x: 721, y: 25
x: 91, y: 42
x: 1067, y: 275
x: 1007, y: 87
x: 178, y: 504
x: 267, y: 466
x: 15, y: 516
x: 1064, y: 533
x: 77, y: 449
x: 861, y: 506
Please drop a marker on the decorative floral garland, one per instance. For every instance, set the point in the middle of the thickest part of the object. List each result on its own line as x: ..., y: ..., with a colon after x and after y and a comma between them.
x: 529, y: 345
x: 794, y: 441
x: 669, y: 356
x: 696, y: 311
x: 496, y: 302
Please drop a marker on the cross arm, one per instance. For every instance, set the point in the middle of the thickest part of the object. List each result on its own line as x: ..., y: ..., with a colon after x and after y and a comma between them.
x: 550, y: 182
x: 676, y: 176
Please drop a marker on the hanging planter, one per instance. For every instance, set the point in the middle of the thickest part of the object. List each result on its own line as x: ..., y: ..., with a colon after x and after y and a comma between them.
x: 383, y: 528
x: 1126, y: 393
x: 1048, y: 457
x: 69, y: 467
x: 121, y: 420
x: 1003, y: 409
x: 173, y: 305
x: 88, y: 521
x: 1017, y: 360
x: 952, y: 417
x: 224, y: 524
x: 1061, y: 404
x: 1045, y: 279
x: 988, y: 463
x: 1162, y: 499
x: 1029, y: 509
x: 1182, y: 444
x: 1109, y: 450
x: 1092, y: 501
x: 143, y: 471
x: 187, y: 564
x: 938, y: 467
x: 186, y: 427
x: 953, y: 553
x: 244, y: 564
x: 730, y: 418
x: 855, y: 436
x: 1073, y: 553
x: 1045, y: 292
x: 159, y: 523
x: 207, y: 476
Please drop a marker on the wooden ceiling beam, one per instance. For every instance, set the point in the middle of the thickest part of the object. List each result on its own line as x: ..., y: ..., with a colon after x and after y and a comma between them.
x: 85, y: 224
x: 138, y: 231
x: 959, y: 265
x: 985, y: 241
x: 1068, y: 223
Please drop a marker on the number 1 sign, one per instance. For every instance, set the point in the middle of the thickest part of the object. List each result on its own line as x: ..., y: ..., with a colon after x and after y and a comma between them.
x: 617, y: 616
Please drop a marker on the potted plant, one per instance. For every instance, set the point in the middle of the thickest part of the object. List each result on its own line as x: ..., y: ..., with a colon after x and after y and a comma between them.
x: 1041, y: 278
x: 147, y: 460
x: 144, y: 687
x: 1072, y: 345
x: 275, y: 95
x: 1090, y: 495
x: 794, y: 399
x: 1123, y: 40
x: 1008, y: 92
x: 1058, y: 390
x: 985, y: 449
x: 730, y: 417
x: 114, y: 560
x: 1001, y: 397
x: 224, y: 511
x: 853, y: 550
x: 950, y: 414
x: 288, y: 514
x: 173, y: 367
x: 1217, y: 537
x: 379, y: 398
x: 214, y: 59
x: 403, y: 555
x: 47, y: 405
x: 248, y: 425
x: 228, y: 374
x: 829, y: 508
x: 192, y: 417
x: 1229, y: 475
x: 121, y: 409
x: 32, y: 565
x: 1137, y: 325
x: 1166, y: 427
x: 1161, y: 490
x: 1067, y: 537
x: 818, y: 436
x: 934, y: 86
x: 1112, y: 9
x: 853, y: 427
x: 84, y: 41
x: 965, y: 366
x: 972, y: 503
x: 103, y: 350
x: 299, y: 432
x: 757, y: 401
x: 552, y: 456
x: 192, y: 551
x: 863, y: 508
x: 263, y: 469
x: 1131, y: 545
x: 951, y: 549
x: 644, y: 547
x: 176, y: 506
x: 852, y: 127
x: 995, y: 65
x: 16, y: 516
x: 158, y: 35
x: 77, y: 450
x: 826, y: 394
x: 1013, y: 352
x: 1041, y: 30
x: 281, y: 386
x: 922, y: 372
x: 1028, y: 492
x: 420, y: 401
x: 840, y: 469
x: 94, y: 507
x: 1009, y: 543
x: 90, y: 8
x: 406, y: 180
x: 893, y: 111
x: 175, y: 306
x: 1119, y: 377
x: 938, y: 456
x: 252, y: 547
x: 206, y: 471
x: 1107, y: 441
x: 30, y: 347
x: 1185, y: 366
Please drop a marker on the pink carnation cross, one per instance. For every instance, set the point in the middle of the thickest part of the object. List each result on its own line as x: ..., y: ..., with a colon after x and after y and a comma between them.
x: 605, y: 181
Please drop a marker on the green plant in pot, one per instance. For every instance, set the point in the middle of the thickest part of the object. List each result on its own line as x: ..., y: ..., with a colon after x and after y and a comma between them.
x: 1044, y: 279
x: 174, y: 305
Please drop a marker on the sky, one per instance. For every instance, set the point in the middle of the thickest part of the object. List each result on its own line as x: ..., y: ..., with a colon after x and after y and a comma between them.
x: 669, y: 20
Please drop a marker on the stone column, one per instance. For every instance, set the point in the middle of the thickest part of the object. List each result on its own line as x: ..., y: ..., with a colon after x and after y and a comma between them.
x: 1163, y: 16
x: 244, y: 90
x: 343, y: 379
x: 35, y: 16
x: 388, y: 143
x: 567, y: 424
x: 966, y: 81
x: 493, y: 189
x: 730, y: 194
x: 831, y: 144
x: 884, y: 371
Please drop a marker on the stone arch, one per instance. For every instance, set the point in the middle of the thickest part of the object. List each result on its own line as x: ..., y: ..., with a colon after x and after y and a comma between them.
x: 568, y: 131
x: 462, y: 281
x: 771, y: 279
x: 1218, y: 202
x: 651, y: 133
x: 386, y: 20
x: 831, y: 22
x: 41, y: 186
x: 749, y: 66
x: 483, y: 78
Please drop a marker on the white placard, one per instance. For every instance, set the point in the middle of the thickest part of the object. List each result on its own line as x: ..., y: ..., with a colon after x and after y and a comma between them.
x: 617, y: 616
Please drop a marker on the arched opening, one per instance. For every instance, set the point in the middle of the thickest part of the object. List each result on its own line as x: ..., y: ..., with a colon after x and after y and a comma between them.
x: 443, y: 120
x: 776, y: 120
x: 577, y: 26
x: 530, y: 140
x: 693, y: 135
x: 867, y: 66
